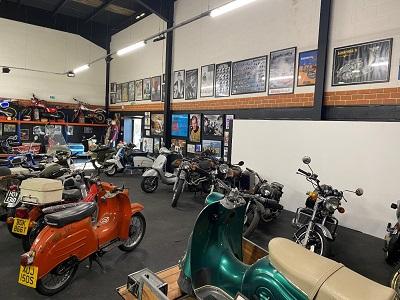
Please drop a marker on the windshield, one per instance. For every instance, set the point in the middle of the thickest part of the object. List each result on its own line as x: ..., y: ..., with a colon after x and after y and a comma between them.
x: 55, y: 139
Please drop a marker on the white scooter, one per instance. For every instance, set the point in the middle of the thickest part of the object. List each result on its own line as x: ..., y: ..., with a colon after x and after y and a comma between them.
x: 163, y: 169
x: 128, y: 157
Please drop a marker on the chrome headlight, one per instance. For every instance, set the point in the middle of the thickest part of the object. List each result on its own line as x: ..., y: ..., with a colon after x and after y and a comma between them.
x: 332, y: 203
x: 186, y: 165
x: 265, y: 190
x: 223, y: 168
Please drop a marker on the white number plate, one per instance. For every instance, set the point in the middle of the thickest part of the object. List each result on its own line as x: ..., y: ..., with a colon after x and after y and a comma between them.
x: 11, y: 197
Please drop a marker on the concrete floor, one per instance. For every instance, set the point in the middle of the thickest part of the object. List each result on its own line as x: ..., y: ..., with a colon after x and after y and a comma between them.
x: 164, y: 243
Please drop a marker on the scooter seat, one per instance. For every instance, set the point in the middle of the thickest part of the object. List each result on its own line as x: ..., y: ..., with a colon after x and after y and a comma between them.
x: 72, y: 195
x: 321, y: 278
x: 70, y: 215
x: 139, y: 153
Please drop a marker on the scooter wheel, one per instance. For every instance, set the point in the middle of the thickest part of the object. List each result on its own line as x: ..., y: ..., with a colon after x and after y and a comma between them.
x: 111, y: 171
x: 149, y: 184
x: 137, y: 228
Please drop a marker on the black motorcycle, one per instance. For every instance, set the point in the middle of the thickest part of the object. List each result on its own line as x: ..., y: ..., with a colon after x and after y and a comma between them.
x: 392, y: 241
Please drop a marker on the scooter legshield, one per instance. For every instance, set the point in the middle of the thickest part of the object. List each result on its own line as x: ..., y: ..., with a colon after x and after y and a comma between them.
x: 150, y: 173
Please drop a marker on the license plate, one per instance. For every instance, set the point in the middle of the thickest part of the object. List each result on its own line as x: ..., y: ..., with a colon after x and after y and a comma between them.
x: 20, y: 226
x: 11, y: 197
x: 28, y: 276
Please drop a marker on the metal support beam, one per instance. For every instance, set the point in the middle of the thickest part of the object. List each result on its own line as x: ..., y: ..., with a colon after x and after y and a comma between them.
x: 60, y: 5
x: 323, y: 44
x: 158, y: 7
x: 99, y: 10
x: 168, y: 75
x: 108, y: 62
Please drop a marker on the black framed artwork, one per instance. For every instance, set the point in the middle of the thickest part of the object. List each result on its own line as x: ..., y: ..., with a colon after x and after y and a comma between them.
x: 362, y: 63
x: 282, y: 64
x: 156, y: 88
x: 147, y: 89
x: 249, y: 76
x: 113, y: 87
x: 192, y: 82
x: 131, y: 91
x: 125, y: 92
x: 223, y: 79
x: 139, y: 90
x: 118, y: 97
x: 207, y: 81
x: 307, y: 69
x: 179, y: 84
x: 113, y: 98
x: 213, y: 125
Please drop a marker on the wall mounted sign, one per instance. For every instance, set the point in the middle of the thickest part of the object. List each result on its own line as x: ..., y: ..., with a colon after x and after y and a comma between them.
x: 282, y: 71
x: 249, y: 76
x: 362, y: 63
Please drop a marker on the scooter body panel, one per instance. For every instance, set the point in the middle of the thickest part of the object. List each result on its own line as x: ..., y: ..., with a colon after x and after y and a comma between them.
x: 142, y: 162
x: 150, y: 173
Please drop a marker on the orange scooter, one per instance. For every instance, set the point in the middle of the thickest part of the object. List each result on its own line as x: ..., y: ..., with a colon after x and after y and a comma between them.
x: 87, y: 230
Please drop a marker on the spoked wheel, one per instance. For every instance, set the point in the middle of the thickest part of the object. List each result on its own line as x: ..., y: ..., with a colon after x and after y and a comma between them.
x: 317, y: 242
x: 395, y: 281
x: 177, y: 192
x: 99, y: 117
x: 137, y: 228
x: 58, y: 278
x: 149, y: 184
x: 251, y: 220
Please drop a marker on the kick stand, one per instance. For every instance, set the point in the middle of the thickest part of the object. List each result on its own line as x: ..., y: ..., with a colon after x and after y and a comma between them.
x: 95, y: 258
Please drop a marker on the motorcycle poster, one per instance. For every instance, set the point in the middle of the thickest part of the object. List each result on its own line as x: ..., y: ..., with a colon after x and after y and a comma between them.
x: 282, y: 71
x: 362, y: 63
x: 307, y: 68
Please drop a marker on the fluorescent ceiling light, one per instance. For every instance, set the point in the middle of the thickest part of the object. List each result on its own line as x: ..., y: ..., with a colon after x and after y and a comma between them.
x: 140, y: 16
x: 131, y: 48
x: 228, y: 7
x: 80, y: 69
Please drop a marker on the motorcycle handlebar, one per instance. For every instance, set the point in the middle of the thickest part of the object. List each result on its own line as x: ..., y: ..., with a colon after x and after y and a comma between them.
x: 308, y: 174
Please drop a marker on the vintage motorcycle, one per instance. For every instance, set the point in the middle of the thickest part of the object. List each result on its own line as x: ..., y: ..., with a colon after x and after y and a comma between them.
x: 315, y: 222
x: 213, y: 266
x: 7, y: 110
x: 97, y: 115
x: 40, y: 109
x: 88, y: 230
x: 127, y: 157
x: 6, y: 145
x: 392, y: 242
x: 163, y: 169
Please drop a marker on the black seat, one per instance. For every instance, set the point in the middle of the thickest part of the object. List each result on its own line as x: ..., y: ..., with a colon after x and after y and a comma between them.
x: 4, y: 162
x: 71, y: 215
x: 137, y: 152
x: 72, y: 195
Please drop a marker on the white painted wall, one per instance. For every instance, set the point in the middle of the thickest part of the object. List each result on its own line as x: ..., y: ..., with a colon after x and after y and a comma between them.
x: 346, y: 155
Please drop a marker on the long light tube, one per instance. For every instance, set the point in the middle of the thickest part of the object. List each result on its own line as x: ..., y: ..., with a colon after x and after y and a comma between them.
x: 229, y: 7
x: 81, y: 68
x: 131, y: 48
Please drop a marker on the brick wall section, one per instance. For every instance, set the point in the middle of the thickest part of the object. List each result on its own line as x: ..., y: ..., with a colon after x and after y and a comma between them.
x: 383, y: 96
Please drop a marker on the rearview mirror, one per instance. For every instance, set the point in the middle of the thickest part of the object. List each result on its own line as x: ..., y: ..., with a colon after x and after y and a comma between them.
x: 394, y: 206
x: 359, y: 191
x: 306, y: 160
x: 241, y: 163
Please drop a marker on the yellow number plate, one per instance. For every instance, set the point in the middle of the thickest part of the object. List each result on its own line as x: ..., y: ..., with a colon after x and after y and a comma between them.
x: 20, y: 226
x: 28, y: 276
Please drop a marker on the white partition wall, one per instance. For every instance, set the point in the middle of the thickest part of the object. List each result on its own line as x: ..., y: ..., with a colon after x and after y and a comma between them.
x: 346, y: 155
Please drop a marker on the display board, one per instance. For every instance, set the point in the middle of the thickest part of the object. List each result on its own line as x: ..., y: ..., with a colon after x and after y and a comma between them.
x: 249, y: 76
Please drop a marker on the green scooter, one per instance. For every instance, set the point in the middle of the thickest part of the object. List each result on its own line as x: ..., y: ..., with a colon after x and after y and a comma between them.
x: 213, y: 267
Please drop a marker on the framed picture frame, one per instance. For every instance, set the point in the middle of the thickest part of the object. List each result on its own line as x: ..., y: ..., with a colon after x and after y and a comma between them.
x: 207, y: 81
x: 362, y: 63
x: 9, y: 128
x: 147, y: 89
x: 148, y: 144
x: 307, y: 69
x: 213, y: 146
x: 163, y: 88
x: 131, y: 91
x: 223, y: 79
x: 179, y: 145
x: 139, y: 90
x: 249, y: 76
x: 157, y: 124
x: 282, y: 64
x: 125, y: 92
x: 118, y: 97
x: 192, y: 84
x: 178, y: 87
x: 70, y: 130
x: 213, y: 125
x: 180, y: 125
x: 113, y: 97
x: 228, y: 119
x: 195, y: 128
x: 156, y: 88
x: 25, y: 134
x: 113, y: 87
x: 157, y: 144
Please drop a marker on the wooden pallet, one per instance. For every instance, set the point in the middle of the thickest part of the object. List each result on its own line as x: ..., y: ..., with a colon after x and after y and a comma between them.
x: 251, y: 253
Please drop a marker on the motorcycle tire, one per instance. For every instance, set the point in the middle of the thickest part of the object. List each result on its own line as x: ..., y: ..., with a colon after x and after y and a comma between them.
x: 177, y: 193
x: 69, y: 266
x: 111, y: 171
x: 130, y: 246
x: 318, y: 236
x: 149, y: 184
x: 252, y: 219
x: 391, y: 255
x: 99, y: 117
x: 395, y: 279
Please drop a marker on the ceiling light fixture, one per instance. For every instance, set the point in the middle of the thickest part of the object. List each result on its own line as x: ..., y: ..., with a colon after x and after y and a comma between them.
x: 6, y: 70
x: 140, y: 16
x: 131, y: 48
x: 159, y: 38
x: 229, y: 7
x: 81, y: 69
x: 70, y: 74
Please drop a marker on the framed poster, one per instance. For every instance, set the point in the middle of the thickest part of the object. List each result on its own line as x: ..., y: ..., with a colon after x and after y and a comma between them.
x: 87, y: 130
x: 125, y: 92
x: 228, y: 119
x: 113, y: 87
x: 198, y: 148
x: 226, y: 152
x: 113, y: 98
x: 179, y: 145
x: 9, y: 128
x: 70, y: 130
x: 207, y: 81
x: 147, y: 144
x: 156, y: 88
x: 282, y: 71
x: 362, y: 63
x: 147, y: 89
x: 139, y: 90
x: 147, y: 133
x: 147, y: 120
x: 223, y: 79
x: 192, y: 82
x: 163, y: 88
x: 191, y: 148
x: 157, y: 124
x: 157, y: 144
x: 249, y: 76
x: 213, y: 125
x: 214, y: 147
x: 307, y: 71
x: 119, y: 93
x: 25, y: 134
x: 131, y: 91
x: 179, y: 125
x: 179, y: 84
x: 226, y: 138
x: 195, y: 128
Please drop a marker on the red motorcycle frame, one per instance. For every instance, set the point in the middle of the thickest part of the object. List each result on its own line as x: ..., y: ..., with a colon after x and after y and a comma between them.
x: 45, y: 111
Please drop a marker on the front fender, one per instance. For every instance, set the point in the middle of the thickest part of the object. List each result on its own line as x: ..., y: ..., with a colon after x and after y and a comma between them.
x: 150, y: 173
x: 136, y: 207
x: 325, y: 231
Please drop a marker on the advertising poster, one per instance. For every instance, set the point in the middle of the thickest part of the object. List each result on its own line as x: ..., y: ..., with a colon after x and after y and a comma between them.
x: 249, y: 76
x: 195, y: 128
x: 362, y: 63
x: 180, y: 125
x: 131, y: 91
x: 125, y: 92
x: 179, y: 84
x: 214, y: 147
x: 192, y: 81
x: 307, y: 68
x: 147, y: 89
x: 282, y: 71
x: 213, y: 125
x: 207, y: 81
x: 223, y: 79
x: 156, y: 88
x: 139, y: 90
x: 157, y: 124
x: 119, y: 93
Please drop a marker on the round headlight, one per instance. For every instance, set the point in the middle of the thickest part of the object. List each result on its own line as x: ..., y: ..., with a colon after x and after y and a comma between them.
x: 332, y: 203
x: 223, y: 168
x: 186, y: 165
x: 265, y: 190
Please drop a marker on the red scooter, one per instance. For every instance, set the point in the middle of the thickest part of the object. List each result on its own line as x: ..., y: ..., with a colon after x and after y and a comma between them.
x: 87, y: 230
